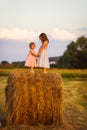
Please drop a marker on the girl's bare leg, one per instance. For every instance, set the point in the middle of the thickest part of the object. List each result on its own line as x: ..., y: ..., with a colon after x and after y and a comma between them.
x: 44, y: 70
x: 32, y: 70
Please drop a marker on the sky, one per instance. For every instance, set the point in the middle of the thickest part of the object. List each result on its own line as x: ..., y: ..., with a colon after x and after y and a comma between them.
x: 21, y: 21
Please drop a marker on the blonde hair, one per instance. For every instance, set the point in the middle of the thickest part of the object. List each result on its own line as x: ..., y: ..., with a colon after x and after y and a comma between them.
x: 31, y: 43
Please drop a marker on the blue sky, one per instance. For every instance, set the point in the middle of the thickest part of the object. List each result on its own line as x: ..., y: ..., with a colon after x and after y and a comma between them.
x: 21, y: 21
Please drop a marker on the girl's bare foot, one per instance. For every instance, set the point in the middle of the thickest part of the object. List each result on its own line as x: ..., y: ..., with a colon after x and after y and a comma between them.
x: 31, y: 71
x: 44, y: 70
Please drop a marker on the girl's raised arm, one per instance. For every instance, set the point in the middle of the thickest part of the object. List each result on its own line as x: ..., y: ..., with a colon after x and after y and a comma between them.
x: 33, y: 53
x: 44, y: 45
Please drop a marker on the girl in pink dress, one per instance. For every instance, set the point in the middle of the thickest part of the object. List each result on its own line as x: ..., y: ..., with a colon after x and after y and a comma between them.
x: 31, y: 57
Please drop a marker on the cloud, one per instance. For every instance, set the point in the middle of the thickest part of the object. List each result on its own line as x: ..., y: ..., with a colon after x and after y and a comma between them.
x: 81, y: 31
x: 17, y: 34
x: 29, y: 35
x: 61, y: 34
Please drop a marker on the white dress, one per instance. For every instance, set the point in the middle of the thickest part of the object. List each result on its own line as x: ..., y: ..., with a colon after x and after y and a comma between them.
x: 43, y: 60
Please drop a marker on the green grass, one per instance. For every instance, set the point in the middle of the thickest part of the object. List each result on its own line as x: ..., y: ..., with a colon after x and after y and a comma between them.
x: 3, y: 82
x: 6, y: 72
x: 65, y: 73
x: 70, y: 73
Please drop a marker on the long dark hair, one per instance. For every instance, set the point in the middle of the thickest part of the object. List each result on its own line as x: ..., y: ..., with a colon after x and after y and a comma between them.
x: 43, y: 37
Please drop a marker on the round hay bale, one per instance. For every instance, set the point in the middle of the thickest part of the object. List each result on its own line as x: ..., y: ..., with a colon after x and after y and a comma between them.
x: 34, y: 98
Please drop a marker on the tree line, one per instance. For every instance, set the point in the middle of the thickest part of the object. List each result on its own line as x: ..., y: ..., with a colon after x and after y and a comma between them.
x: 75, y: 56
x: 15, y: 64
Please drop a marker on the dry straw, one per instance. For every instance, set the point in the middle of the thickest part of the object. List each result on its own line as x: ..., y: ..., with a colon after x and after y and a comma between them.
x: 27, y: 127
x: 34, y: 99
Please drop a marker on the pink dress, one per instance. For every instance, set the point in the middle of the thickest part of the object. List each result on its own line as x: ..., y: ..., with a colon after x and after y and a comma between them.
x: 31, y: 59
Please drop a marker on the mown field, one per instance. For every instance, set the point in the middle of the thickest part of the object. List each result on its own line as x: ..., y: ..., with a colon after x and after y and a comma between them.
x: 75, y: 95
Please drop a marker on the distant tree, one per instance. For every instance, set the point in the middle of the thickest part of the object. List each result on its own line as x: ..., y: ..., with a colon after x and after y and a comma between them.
x: 75, y: 55
x: 4, y: 62
x: 82, y: 52
x: 18, y: 64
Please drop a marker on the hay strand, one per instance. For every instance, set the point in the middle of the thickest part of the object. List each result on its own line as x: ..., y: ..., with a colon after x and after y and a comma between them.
x: 34, y: 99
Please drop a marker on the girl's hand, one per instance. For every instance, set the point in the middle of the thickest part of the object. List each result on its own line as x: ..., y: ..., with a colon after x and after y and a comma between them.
x: 39, y: 53
x: 44, y: 45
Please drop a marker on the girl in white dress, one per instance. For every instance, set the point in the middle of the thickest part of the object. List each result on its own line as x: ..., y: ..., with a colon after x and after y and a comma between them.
x: 43, y: 60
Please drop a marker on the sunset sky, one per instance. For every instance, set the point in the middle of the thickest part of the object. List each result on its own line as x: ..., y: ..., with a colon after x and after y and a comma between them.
x: 21, y: 21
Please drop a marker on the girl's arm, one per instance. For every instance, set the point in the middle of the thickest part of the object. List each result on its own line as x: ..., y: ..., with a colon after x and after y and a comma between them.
x: 44, y: 45
x: 33, y: 53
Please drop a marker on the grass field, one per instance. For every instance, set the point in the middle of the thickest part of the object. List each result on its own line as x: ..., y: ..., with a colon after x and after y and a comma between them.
x: 67, y: 73
x: 75, y: 95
